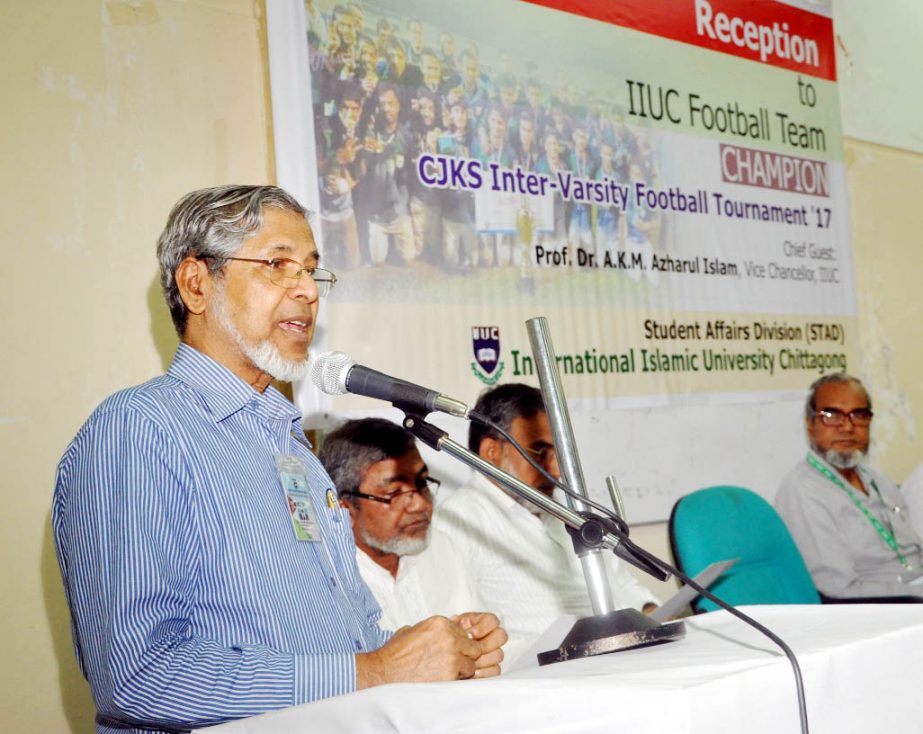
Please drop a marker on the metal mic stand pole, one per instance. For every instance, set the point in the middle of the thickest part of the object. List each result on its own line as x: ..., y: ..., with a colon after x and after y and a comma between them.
x: 591, y: 559
x: 608, y: 630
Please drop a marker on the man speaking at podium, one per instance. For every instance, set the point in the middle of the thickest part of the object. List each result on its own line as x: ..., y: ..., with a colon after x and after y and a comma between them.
x: 209, y: 570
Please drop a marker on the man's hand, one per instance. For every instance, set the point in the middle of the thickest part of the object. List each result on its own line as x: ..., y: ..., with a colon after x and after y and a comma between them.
x: 435, y: 649
x: 485, y: 628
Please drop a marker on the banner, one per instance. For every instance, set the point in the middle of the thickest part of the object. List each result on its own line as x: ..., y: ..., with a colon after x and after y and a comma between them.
x: 663, y: 181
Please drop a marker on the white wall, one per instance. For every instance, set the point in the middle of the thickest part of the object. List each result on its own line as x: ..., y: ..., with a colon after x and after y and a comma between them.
x: 112, y: 110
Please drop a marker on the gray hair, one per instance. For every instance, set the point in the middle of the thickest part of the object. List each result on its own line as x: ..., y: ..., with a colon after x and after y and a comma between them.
x: 810, y: 405
x: 353, y: 447
x: 212, y: 223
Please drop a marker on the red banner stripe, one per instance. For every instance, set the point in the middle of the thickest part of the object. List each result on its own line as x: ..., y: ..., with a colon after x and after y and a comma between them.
x: 759, y: 30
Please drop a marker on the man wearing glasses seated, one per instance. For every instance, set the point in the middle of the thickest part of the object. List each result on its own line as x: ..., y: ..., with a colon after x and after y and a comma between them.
x: 209, y: 571
x: 412, y: 569
x: 850, y: 522
x: 523, y: 560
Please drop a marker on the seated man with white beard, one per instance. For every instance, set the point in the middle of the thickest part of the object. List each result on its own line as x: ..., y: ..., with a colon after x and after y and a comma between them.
x: 412, y: 570
x: 850, y: 522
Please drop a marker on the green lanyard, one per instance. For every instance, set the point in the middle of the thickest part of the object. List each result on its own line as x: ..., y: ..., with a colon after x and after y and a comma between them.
x: 886, y: 535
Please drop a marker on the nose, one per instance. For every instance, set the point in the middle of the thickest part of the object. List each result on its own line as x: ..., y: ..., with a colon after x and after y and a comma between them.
x: 305, y: 288
x: 551, y: 465
x: 848, y: 426
x: 416, y: 502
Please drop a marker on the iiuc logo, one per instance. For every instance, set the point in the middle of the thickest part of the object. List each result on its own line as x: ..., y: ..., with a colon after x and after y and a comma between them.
x: 485, y: 341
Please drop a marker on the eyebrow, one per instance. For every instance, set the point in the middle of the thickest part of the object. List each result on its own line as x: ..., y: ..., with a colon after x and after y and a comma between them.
x: 313, y: 256
x: 424, y: 472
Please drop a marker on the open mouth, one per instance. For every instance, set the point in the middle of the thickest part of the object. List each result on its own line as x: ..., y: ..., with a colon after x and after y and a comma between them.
x: 294, y: 326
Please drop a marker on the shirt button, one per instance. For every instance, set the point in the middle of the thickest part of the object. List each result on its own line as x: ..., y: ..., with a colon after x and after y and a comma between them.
x: 333, y: 581
x: 358, y: 645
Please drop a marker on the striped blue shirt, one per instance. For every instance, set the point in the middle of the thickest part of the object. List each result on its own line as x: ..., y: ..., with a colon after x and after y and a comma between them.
x: 191, y: 600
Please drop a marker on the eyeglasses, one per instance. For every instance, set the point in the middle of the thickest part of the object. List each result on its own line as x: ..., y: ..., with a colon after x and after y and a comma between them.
x: 285, y: 272
x: 835, y: 417
x: 542, y: 455
x: 426, y: 488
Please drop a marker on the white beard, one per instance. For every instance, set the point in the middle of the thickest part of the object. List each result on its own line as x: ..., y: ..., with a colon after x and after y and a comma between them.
x: 842, y: 459
x: 397, y: 546
x: 265, y: 355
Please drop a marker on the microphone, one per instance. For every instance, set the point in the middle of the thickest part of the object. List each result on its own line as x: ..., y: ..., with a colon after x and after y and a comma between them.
x: 334, y: 373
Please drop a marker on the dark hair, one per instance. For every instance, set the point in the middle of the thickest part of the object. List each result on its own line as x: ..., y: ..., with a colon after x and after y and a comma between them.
x: 389, y: 87
x: 504, y: 404
x: 424, y: 91
x: 810, y: 405
x: 353, y: 447
x: 348, y: 90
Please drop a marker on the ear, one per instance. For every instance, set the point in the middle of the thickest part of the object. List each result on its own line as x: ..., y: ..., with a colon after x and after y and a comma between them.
x: 350, y: 508
x: 490, y: 449
x: 192, y: 280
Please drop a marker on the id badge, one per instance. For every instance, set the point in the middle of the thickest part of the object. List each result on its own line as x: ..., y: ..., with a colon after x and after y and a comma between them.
x: 295, y: 485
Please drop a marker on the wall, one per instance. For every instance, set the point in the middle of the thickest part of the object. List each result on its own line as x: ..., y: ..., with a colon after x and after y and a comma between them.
x: 113, y: 110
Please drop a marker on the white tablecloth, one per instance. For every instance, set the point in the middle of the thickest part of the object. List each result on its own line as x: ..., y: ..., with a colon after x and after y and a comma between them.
x: 861, y: 665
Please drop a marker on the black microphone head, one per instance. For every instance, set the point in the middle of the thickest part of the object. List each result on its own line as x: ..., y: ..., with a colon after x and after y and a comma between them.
x: 329, y: 371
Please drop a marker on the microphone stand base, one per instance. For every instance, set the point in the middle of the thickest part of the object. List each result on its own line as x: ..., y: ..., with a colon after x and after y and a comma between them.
x: 625, y: 629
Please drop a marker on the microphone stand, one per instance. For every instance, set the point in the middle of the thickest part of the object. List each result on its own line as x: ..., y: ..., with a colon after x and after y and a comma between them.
x: 625, y: 629
x: 610, y: 631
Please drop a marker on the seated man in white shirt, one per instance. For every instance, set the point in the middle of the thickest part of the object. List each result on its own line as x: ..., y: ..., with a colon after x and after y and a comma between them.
x: 849, y: 521
x: 523, y: 560
x: 413, y: 570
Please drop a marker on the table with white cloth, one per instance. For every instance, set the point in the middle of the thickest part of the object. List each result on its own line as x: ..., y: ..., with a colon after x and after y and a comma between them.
x: 861, y: 665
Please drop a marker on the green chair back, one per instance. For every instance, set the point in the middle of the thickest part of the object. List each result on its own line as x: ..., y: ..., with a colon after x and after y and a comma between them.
x: 720, y: 523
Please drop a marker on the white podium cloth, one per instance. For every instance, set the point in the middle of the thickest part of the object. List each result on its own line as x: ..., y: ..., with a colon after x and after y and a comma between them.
x: 861, y: 665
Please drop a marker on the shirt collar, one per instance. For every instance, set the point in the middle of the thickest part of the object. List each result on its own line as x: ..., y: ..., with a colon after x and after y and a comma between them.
x: 405, y: 564
x: 223, y: 392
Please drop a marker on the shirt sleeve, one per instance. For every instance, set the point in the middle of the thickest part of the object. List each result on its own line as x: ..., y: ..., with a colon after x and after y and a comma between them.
x: 912, y: 492
x: 125, y: 523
